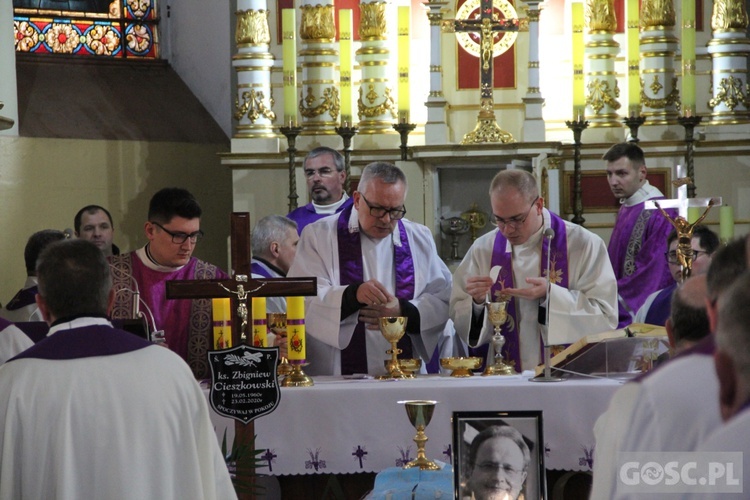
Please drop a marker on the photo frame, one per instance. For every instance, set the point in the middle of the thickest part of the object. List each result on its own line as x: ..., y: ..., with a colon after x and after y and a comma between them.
x: 502, y: 431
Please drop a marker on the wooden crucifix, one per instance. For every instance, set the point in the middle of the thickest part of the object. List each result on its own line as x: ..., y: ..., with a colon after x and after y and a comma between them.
x: 487, y: 26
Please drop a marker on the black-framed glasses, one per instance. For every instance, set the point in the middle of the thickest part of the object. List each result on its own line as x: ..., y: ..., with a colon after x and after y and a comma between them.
x: 376, y: 211
x: 180, y: 238
x: 322, y: 172
x: 672, y: 256
x: 513, y: 222
x: 495, y: 467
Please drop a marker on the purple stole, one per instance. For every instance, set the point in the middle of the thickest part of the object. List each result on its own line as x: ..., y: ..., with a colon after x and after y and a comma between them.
x: 4, y: 323
x: 351, y: 269
x: 306, y: 214
x: 84, y: 342
x: 558, y: 268
x: 661, y: 307
x: 256, y: 268
x: 23, y: 298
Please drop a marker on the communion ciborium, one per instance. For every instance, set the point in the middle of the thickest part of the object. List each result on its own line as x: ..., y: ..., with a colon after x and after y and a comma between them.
x: 454, y: 227
x: 393, y: 328
x: 498, y: 315
x: 420, y: 414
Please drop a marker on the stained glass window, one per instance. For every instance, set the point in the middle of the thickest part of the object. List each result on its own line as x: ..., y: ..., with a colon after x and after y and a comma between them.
x: 120, y: 29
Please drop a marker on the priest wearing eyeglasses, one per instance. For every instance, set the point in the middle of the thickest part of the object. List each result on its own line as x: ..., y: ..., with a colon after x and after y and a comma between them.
x: 173, y: 230
x: 371, y: 262
x: 583, y: 289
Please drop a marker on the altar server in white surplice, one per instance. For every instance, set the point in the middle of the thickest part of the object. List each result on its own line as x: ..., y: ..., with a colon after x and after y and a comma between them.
x: 12, y: 340
x: 371, y: 262
x: 583, y: 289
x: 96, y: 412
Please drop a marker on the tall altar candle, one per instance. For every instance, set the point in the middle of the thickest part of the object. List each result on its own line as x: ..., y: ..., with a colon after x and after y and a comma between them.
x: 222, y: 323
x: 260, y: 322
x: 289, y: 56
x: 693, y: 214
x: 726, y: 223
x: 634, y: 79
x: 579, y: 94
x: 295, y: 329
x: 688, y: 57
x: 345, y: 65
x: 404, y: 18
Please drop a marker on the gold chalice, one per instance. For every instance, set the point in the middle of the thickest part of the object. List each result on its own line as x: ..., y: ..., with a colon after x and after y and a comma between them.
x: 420, y: 414
x: 393, y: 328
x: 461, y: 366
x: 498, y: 315
x: 277, y: 325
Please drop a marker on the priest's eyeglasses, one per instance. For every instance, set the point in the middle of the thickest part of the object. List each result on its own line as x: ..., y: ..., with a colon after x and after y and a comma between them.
x: 180, y: 238
x: 672, y: 256
x: 376, y: 211
x: 513, y: 222
x: 495, y: 467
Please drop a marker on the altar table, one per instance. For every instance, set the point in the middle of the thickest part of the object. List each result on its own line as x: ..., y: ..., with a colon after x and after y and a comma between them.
x: 347, y: 426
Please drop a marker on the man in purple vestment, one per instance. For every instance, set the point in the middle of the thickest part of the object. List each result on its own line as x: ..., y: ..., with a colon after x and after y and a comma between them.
x: 639, y: 238
x: 325, y: 176
x: 22, y: 307
x: 173, y: 229
x: 274, y: 244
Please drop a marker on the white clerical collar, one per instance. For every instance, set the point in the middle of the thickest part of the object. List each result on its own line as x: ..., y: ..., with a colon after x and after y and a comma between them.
x: 330, y: 209
x: 646, y: 192
x: 354, y: 228
x: 79, y: 323
x: 143, y: 255
x: 535, y: 238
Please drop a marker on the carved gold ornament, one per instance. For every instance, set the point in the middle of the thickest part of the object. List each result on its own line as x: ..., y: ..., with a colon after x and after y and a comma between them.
x: 330, y: 103
x: 372, y: 24
x: 656, y: 13
x: 730, y: 93
x: 471, y: 10
x: 317, y: 23
x: 253, y: 106
x: 387, y: 105
x: 728, y: 15
x: 672, y: 98
x: 252, y: 27
x: 600, y: 95
x: 599, y: 15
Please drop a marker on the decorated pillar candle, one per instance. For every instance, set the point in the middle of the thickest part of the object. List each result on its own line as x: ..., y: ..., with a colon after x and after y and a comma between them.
x: 693, y: 213
x: 579, y: 93
x: 289, y: 55
x: 295, y: 329
x: 634, y: 79
x: 222, y: 323
x: 260, y: 322
x: 345, y: 65
x: 404, y: 18
x: 688, y: 57
x: 726, y: 223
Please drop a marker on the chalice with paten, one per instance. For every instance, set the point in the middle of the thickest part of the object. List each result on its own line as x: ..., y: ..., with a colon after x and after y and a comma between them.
x: 420, y: 414
x: 497, y: 313
x: 393, y: 328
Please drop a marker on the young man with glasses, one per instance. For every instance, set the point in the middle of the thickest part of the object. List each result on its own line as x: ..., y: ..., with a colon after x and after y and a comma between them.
x: 657, y: 306
x: 173, y: 230
x: 325, y: 176
x: 638, y: 238
x: 582, y: 291
x: 371, y: 262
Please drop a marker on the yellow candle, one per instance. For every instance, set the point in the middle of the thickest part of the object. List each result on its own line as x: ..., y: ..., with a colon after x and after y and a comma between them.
x: 634, y: 79
x: 404, y: 18
x: 295, y: 329
x: 289, y: 56
x: 688, y: 57
x: 579, y: 95
x: 260, y: 322
x: 345, y: 65
x: 726, y: 223
x: 693, y: 214
x: 222, y: 323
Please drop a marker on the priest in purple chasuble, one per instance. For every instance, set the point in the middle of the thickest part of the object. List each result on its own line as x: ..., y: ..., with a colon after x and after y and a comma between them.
x: 371, y: 262
x: 96, y: 412
x: 325, y: 176
x: 173, y: 230
x: 639, y: 238
x: 583, y: 290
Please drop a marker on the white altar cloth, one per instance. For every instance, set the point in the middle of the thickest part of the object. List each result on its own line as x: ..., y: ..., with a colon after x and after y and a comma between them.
x: 349, y: 426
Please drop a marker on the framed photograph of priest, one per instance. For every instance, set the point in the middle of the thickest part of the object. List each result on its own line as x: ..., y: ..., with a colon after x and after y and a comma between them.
x: 498, y: 455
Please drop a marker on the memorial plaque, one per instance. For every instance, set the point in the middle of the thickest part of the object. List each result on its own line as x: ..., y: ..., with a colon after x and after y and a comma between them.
x: 244, y: 385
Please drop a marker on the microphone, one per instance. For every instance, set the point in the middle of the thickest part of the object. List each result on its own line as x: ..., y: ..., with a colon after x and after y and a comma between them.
x: 154, y: 335
x: 543, y: 318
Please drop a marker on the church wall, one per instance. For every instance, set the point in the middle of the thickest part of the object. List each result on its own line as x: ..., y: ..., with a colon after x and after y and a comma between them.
x: 44, y: 182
